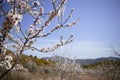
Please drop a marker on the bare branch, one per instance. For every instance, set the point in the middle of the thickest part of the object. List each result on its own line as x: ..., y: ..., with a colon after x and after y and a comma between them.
x: 42, y: 20
x: 70, y: 14
x: 115, y: 51
x: 48, y: 49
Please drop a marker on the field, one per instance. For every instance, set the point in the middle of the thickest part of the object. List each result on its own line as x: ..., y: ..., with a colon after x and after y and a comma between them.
x: 42, y: 69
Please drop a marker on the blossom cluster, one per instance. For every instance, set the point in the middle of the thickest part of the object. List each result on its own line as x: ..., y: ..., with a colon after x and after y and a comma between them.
x: 7, y: 62
x: 61, y: 43
x: 41, y: 20
x: 11, y: 19
x: 18, y: 67
x: 68, y: 66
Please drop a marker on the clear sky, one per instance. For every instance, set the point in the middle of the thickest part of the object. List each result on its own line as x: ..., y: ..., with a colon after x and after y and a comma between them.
x: 98, y: 28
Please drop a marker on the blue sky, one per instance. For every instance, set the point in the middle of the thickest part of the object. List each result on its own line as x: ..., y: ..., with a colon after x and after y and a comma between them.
x: 96, y: 31
x: 98, y: 28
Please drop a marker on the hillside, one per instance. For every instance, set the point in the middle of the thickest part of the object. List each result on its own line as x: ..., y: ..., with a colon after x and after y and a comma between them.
x: 38, y: 61
x: 104, y: 63
x: 34, y: 68
x: 92, y: 61
x: 81, y: 61
x: 46, y: 69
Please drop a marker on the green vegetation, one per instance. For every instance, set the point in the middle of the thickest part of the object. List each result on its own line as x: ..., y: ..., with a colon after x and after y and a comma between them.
x: 25, y: 58
x: 39, y: 62
x: 102, y: 63
x: 36, y: 68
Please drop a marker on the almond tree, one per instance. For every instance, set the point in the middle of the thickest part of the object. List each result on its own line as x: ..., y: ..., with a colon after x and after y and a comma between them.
x: 66, y: 67
x: 115, y: 51
x: 108, y: 69
x: 18, y: 39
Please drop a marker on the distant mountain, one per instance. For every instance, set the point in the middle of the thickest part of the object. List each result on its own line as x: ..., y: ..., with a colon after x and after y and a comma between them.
x: 92, y: 61
x: 82, y: 61
x: 57, y: 58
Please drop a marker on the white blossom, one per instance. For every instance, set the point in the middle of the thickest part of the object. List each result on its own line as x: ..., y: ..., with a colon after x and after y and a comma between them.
x: 35, y: 13
x: 13, y: 18
x: 7, y: 62
x: 10, y: 1
x: 7, y: 65
x: 18, y: 67
x: 17, y: 29
x: 36, y: 3
x: 31, y: 30
x: 8, y: 58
